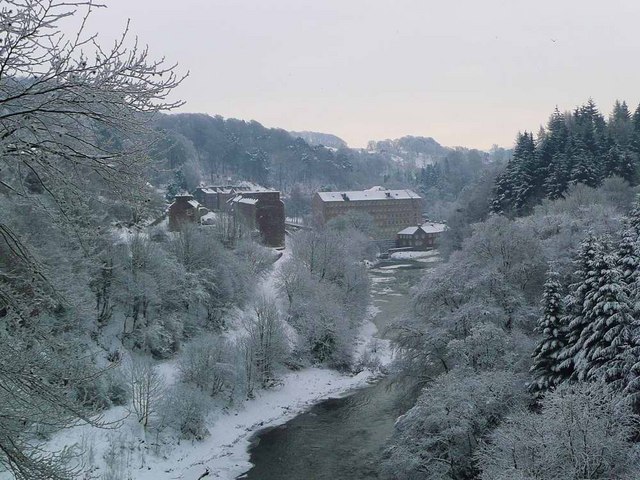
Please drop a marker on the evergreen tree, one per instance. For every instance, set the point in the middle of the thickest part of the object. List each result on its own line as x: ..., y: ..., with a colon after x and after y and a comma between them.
x: 546, y: 367
x: 629, y: 254
x: 578, y: 147
x: 633, y: 220
x: 558, y: 177
x: 620, y: 126
x: 635, y: 131
x: 612, y: 162
x: 517, y: 184
x: 585, y: 170
x: 575, y: 320
x: 607, y: 348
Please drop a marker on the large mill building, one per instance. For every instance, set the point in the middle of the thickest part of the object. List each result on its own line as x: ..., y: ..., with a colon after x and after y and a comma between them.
x: 391, y: 210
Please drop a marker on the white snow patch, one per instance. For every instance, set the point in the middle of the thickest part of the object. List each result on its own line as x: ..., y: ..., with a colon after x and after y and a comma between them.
x: 394, y: 267
x: 414, y: 255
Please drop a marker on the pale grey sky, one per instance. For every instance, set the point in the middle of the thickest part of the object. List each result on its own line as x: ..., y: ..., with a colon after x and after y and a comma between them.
x: 466, y: 72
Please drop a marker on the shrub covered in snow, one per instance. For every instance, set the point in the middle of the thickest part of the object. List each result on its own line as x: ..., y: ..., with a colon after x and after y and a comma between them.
x: 185, y: 409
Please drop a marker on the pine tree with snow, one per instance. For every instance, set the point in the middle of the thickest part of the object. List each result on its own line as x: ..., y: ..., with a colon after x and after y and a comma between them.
x: 574, y: 319
x: 633, y: 219
x: 629, y: 257
x: 515, y: 186
x: 585, y: 169
x: 607, y: 348
x: 635, y: 131
x: 546, y: 367
x: 629, y: 248
x: 555, y: 185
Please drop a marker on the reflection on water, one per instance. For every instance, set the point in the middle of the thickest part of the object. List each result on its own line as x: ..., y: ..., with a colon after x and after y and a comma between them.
x: 342, y: 438
x: 337, y: 439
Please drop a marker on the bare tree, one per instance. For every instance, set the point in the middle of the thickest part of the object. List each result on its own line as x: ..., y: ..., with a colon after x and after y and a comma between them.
x: 74, y: 124
x: 265, y: 345
x: 146, y: 386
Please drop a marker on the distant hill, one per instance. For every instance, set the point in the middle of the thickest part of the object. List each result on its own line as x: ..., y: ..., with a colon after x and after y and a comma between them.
x: 210, y: 149
x: 317, y: 138
x: 200, y: 148
x: 418, y: 151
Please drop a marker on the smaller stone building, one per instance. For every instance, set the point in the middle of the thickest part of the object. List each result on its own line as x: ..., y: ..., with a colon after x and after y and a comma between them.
x: 216, y: 197
x: 262, y: 211
x: 184, y: 209
x: 208, y: 197
x: 420, y: 237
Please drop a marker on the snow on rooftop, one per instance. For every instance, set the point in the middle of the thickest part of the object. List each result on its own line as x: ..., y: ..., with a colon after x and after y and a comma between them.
x: 408, y: 231
x: 248, y: 201
x: 253, y: 187
x: 430, y: 227
x: 427, y: 227
x: 370, y: 194
x: 194, y: 203
x: 244, y: 186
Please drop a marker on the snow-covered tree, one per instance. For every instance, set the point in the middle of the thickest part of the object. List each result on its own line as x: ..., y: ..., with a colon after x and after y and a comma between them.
x: 65, y: 99
x: 436, y: 439
x: 484, y: 349
x: 575, y: 318
x: 583, y: 431
x: 608, y: 348
x: 546, y: 368
x: 207, y: 363
x: 264, y: 345
x: 146, y: 389
x: 629, y: 249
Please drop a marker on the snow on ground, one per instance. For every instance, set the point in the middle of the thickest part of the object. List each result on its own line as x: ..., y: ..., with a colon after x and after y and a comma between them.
x: 393, y: 267
x: 377, y: 280
x: 414, y: 255
x: 224, y: 453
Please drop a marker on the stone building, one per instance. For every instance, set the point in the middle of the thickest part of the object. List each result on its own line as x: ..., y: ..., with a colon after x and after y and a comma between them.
x: 216, y: 197
x: 184, y: 209
x: 391, y: 210
x: 420, y: 237
x: 261, y: 211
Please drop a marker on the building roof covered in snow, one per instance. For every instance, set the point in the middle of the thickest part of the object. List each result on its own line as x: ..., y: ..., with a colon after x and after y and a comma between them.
x: 427, y: 227
x: 375, y: 193
x: 248, y: 201
x: 430, y: 227
x: 408, y: 231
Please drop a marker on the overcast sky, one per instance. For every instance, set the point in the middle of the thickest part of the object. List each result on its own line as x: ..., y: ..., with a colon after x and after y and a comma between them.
x: 466, y: 72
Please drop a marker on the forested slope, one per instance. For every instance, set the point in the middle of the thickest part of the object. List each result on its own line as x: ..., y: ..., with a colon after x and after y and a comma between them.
x: 524, y: 344
x: 575, y: 147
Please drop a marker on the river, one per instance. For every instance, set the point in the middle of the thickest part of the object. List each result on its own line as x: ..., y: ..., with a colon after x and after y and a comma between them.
x: 343, y: 438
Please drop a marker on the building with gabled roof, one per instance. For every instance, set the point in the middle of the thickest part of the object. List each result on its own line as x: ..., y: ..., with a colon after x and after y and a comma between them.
x: 390, y: 210
x: 184, y: 209
x: 420, y: 237
x: 216, y: 197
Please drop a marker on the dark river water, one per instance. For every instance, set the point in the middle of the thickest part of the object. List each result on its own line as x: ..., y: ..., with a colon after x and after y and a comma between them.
x: 343, y: 438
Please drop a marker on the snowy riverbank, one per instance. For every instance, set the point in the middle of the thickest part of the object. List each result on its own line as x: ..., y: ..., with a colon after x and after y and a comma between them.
x: 125, y: 451
x: 225, y: 453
